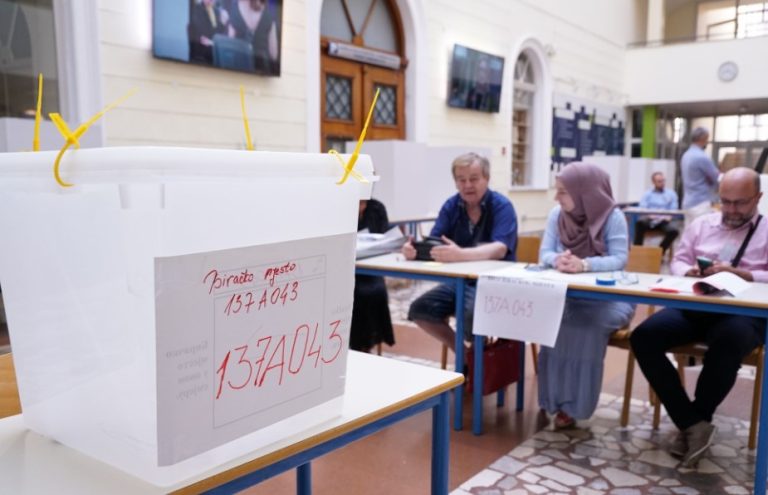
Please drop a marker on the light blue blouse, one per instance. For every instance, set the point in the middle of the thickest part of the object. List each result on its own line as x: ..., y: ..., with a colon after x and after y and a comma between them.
x: 615, y: 236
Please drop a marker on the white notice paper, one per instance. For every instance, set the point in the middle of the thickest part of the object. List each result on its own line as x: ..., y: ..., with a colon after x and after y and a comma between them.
x: 247, y: 337
x: 521, y: 307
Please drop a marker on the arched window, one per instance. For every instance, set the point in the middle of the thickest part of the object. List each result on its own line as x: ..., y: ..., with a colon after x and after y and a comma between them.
x: 531, y: 116
x: 362, y: 51
x: 523, y: 108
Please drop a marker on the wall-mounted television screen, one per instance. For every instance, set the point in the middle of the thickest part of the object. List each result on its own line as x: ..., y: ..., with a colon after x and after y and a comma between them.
x: 241, y: 35
x: 475, y: 80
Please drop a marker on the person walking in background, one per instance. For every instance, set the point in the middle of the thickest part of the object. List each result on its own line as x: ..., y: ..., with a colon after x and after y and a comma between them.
x: 737, y: 241
x: 475, y: 224
x: 658, y: 198
x: 699, y: 172
x: 585, y: 232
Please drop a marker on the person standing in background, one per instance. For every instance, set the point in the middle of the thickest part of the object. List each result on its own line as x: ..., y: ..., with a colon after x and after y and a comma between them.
x: 699, y: 172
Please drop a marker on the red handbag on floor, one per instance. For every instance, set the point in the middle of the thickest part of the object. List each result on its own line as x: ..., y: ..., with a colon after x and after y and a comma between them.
x: 501, y: 365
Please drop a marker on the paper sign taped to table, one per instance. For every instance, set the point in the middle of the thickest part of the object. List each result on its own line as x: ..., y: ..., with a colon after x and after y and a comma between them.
x: 520, y: 307
x: 247, y: 337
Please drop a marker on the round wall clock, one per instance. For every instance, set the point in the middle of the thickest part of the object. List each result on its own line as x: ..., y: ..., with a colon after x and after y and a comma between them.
x: 727, y: 71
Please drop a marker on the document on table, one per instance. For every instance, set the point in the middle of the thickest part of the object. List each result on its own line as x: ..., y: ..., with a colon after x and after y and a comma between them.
x: 375, y: 244
x: 720, y: 284
x: 513, y: 303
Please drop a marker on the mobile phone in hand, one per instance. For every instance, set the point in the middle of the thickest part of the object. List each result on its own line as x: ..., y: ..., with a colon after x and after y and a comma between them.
x: 703, y: 263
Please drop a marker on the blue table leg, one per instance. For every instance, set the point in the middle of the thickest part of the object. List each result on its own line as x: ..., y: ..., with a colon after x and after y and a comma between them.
x: 500, y: 395
x: 761, y: 462
x: 304, y: 479
x: 477, y: 387
x: 521, y: 379
x: 440, y: 446
x: 458, y: 417
x: 632, y: 220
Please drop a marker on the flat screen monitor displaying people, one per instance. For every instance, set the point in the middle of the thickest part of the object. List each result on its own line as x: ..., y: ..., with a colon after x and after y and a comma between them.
x: 242, y: 35
x: 475, y: 80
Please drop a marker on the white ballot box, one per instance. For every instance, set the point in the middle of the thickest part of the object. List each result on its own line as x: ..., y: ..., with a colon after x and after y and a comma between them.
x: 177, y: 307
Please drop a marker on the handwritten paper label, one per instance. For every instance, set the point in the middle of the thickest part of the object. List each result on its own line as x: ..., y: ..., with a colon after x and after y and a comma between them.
x: 519, y: 307
x: 247, y: 337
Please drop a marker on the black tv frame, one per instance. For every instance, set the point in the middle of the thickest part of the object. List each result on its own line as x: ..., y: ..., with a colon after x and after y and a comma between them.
x: 231, y: 61
x: 468, y: 92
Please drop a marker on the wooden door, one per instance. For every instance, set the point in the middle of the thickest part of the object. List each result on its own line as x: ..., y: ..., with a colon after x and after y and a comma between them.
x: 387, y: 120
x: 342, y: 104
x: 348, y: 89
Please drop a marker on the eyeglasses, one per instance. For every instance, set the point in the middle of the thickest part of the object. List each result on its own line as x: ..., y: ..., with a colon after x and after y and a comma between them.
x: 625, y: 278
x: 737, y: 203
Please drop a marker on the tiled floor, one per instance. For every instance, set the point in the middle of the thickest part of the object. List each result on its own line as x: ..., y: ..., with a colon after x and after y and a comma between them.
x: 600, y: 457
x: 397, y: 460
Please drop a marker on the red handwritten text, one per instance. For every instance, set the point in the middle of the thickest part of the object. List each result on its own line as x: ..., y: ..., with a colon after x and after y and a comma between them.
x: 215, y: 281
x: 244, y: 301
x: 273, y: 272
x: 277, y: 358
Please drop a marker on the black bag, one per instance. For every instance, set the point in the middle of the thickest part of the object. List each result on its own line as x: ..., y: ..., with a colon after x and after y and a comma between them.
x: 425, y: 246
x: 501, y: 365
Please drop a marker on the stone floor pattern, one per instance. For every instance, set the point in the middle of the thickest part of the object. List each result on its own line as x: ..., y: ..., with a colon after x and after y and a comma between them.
x: 601, y: 457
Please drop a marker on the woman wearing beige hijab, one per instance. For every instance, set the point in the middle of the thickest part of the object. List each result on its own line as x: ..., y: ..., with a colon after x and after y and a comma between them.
x: 586, y: 232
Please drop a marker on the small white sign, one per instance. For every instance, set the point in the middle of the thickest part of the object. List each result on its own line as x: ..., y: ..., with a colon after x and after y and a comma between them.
x: 247, y: 337
x: 521, y: 307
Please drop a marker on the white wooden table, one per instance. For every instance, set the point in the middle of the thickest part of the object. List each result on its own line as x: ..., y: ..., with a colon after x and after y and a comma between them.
x: 379, y: 392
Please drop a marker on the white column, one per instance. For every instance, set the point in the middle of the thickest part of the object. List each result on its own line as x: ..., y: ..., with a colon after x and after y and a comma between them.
x: 655, y: 27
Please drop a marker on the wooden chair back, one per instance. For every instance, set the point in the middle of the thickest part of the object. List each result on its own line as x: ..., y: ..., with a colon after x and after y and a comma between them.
x: 528, y: 249
x: 9, y: 392
x: 644, y: 259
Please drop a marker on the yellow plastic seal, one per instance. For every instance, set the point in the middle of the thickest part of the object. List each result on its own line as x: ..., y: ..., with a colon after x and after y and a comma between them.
x: 38, y: 113
x: 71, y: 138
x: 248, y: 140
x: 349, y: 166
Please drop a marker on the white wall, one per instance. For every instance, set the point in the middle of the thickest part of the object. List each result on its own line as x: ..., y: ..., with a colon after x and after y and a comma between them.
x: 180, y: 104
x: 186, y: 105
x: 586, y: 60
x: 688, y: 72
x: 631, y: 177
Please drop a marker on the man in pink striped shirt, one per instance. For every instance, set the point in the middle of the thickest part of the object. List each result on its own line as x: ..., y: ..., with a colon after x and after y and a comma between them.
x: 736, y: 240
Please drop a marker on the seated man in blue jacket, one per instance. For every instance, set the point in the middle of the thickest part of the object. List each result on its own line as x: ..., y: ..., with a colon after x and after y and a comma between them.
x: 475, y: 224
x: 658, y: 198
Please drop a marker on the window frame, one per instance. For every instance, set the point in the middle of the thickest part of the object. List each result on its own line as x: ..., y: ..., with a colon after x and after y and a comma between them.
x: 76, y: 26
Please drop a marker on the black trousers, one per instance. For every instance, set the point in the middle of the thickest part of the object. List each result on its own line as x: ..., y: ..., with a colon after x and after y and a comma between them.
x: 643, y: 225
x: 729, y: 339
